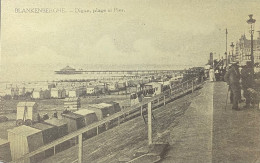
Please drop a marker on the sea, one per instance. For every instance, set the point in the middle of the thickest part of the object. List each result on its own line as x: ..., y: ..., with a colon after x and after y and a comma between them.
x: 46, y: 72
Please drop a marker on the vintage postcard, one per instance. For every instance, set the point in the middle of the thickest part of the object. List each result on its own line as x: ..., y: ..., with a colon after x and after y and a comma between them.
x: 140, y: 81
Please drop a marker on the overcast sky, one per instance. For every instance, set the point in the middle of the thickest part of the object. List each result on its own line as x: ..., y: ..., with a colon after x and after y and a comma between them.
x: 175, y: 32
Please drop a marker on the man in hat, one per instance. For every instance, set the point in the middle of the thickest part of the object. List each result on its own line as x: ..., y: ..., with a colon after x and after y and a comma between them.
x: 247, y: 81
x: 232, y: 78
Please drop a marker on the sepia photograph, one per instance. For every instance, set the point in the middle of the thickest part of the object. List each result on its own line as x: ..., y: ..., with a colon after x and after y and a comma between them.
x: 138, y: 81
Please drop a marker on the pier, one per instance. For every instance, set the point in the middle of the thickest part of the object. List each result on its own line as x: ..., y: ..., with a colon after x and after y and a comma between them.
x: 125, y: 72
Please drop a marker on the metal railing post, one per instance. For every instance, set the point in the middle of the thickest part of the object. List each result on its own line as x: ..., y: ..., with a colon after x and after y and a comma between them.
x: 118, y: 121
x: 80, y: 152
x: 142, y: 110
x: 164, y: 100
x: 150, y: 141
x: 192, y: 86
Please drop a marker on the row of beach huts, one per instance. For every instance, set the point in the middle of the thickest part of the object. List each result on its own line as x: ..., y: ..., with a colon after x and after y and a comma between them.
x: 77, y: 89
x: 27, y: 138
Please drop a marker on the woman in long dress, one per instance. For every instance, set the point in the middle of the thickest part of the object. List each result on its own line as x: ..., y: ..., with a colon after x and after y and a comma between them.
x: 212, y: 75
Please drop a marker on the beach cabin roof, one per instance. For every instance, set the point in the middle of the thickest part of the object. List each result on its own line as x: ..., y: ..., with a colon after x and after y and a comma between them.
x: 24, y: 130
x: 55, y: 122
x: 84, y: 112
x: 101, y: 105
x: 42, y: 126
x: 30, y: 104
x: 72, y: 115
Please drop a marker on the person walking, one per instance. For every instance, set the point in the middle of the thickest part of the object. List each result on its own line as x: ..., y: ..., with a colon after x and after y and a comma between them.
x: 247, y: 81
x: 232, y: 78
x: 212, y: 75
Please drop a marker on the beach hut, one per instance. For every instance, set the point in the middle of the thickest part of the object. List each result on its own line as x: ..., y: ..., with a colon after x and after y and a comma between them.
x: 46, y: 94
x: 156, y: 87
x: 26, y: 113
x: 21, y: 91
x: 37, y: 94
x: 23, y: 140
x: 9, y: 91
x: 5, y: 152
x: 58, y: 93
x: 49, y: 134
x: 77, y: 92
x: 122, y: 84
x: 101, y: 88
x: 115, y: 105
x: 92, y: 89
x: 89, y: 118
x: 112, y: 86
x: 72, y: 93
x: 74, y: 121
x: 62, y: 129
x: 103, y: 110
x: 62, y: 126
x: 72, y: 104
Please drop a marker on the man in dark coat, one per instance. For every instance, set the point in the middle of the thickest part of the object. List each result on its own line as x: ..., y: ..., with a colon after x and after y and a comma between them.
x: 247, y: 80
x: 232, y: 78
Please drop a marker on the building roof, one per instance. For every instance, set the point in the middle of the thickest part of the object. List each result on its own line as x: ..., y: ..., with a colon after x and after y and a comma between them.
x: 68, y: 68
x: 55, y: 122
x: 84, y: 112
x: 30, y: 104
x: 42, y: 126
x: 24, y: 130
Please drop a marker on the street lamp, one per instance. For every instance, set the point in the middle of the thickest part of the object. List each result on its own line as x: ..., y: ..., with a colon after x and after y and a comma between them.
x: 251, y: 23
x: 232, y: 47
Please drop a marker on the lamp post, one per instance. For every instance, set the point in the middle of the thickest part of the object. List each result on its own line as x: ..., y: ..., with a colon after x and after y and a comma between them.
x: 232, y: 53
x: 251, y: 23
x: 226, y: 49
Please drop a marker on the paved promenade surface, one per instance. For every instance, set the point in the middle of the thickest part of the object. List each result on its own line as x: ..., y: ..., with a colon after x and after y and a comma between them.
x: 191, y: 140
x: 210, y: 133
x: 197, y: 126
x: 236, y: 134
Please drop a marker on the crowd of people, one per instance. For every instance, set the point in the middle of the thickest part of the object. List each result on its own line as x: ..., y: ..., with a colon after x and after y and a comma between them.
x: 217, y: 74
x: 241, y: 80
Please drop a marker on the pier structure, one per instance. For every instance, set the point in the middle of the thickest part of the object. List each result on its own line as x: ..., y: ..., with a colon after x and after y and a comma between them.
x: 126, y: 72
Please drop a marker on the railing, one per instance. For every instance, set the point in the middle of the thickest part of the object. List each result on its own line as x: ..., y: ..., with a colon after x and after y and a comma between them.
x: 120, y: 117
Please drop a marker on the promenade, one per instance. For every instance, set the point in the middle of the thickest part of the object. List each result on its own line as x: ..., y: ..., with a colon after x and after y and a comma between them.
x: 197, y: 126
x: 208, y: 132
x: 236, y: 134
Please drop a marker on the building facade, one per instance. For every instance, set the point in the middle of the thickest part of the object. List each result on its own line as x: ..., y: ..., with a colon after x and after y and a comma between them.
x: 243, y: 50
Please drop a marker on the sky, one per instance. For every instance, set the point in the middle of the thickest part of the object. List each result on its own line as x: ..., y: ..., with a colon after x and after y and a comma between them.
x: 159, y: 32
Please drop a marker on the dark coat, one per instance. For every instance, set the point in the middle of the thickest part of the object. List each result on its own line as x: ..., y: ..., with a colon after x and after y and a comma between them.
x: 232, y: 76
x: 247, y: 78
